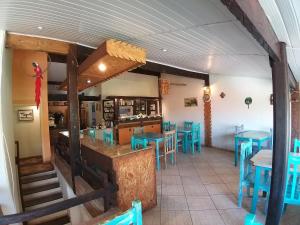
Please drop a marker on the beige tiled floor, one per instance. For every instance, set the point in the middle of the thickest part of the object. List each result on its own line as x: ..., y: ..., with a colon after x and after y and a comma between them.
x: 202, y: 190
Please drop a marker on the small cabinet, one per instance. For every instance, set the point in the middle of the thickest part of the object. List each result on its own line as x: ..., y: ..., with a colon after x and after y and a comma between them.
x: 152, y: 128
x: 125, y: 135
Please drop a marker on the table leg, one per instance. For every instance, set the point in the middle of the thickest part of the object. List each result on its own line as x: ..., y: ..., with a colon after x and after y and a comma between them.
x: 259, y: 146
x: 236, y: 150
x: 256, y: 189
x: 185, y: 142
x: 157, y: 155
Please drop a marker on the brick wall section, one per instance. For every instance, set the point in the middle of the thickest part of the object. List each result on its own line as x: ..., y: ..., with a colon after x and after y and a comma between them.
x: 207, y: 123
x: 295, y: 116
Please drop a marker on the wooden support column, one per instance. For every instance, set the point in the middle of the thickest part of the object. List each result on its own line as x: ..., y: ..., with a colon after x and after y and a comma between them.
x: 73, y: 110
x: 281, y: 122
x: 207, y: 124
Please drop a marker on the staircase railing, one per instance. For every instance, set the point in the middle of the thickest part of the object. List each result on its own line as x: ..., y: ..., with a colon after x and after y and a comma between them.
x: 56, y: 207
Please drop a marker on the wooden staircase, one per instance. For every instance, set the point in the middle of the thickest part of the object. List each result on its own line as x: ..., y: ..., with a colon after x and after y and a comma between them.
x: 40, y: 187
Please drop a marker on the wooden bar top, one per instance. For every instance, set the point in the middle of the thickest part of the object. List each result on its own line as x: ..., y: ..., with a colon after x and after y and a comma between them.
x: 110, y: 151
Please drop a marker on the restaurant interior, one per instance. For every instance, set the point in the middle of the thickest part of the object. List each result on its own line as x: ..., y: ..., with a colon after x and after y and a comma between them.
x: 150, y: 112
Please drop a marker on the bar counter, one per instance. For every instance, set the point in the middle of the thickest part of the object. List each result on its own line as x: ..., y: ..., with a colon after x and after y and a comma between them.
x: 133, y: 170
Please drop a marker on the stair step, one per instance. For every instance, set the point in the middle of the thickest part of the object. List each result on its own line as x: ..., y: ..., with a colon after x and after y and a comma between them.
x: 38, y: 178
x: 57, y: 221
x: 39, y: 183
x: 43, y: 199
x: 30, y: 160
x: 43, y: 204
x: 38, y: 174
x: 48, y: 217
x: 41, y: 188
x: 36, y: 168
x: 41, y: 194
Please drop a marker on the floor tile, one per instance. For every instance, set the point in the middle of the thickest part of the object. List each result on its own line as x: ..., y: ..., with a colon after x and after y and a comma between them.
x: 206, y: 172
x: 200, y: 203
x: 210, y: 179
x: 174, y: 203
x: 189, y: 172
x: 191, y: 180
x: 233, y: 216
x: 170, y: 171
x: 206, y: 217
x: 194, y: 190
x: 216, y: 189
x: 172, y: 189
x: 175, y: 218
x: 171, y: 179
x: 225, y: 201
x: 151, y: 217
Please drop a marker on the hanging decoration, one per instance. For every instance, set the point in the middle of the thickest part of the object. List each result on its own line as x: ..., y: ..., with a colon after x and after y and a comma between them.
x: 222, y: 95
x: 248, y: 101
x: 38, y: 82
x: 164, y: 86
x: 206, y: 94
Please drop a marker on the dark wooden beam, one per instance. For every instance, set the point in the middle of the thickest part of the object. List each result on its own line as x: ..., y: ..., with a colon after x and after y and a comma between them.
x: 281, y: 121
x: 54, y: 82
x: 292, y: 80
x: 52, y: 57
x: 254, y: 19
x: 73, y: 110
x: 63, y: 97
x: 156, y: 68
x: 140, y: 70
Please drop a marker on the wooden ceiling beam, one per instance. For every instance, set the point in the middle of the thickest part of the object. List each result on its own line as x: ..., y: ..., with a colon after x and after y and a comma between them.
x: 253, y: 18
x: 23, y: 42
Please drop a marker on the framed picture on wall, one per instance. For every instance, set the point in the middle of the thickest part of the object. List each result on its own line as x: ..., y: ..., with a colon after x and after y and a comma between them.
x: 25, y: 115
x: 190, y: 102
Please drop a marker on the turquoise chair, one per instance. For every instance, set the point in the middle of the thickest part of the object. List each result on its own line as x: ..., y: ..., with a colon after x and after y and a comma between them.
x: 92, y: 132
x: 195, y: 138
x: 138, y: 130
x: 166, y: 126
x: 179, y: 140
x: 292, y: 187
x: 138, y: 143
x: 187, y: 124
x: 108, y: 137
x: 131, y: 216
x: 296, y: 145
x: 246, y: 172
x: 250, y: 220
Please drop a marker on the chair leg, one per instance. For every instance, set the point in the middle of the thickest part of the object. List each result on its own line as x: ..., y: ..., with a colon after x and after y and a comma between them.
x: 165, y: 161
x: 172, y: 158
x: 193, y: 148
x: 240, y: 199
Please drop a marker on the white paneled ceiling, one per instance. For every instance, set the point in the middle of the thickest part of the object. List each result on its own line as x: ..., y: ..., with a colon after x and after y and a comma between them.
x: 199, y: 35
x: 284, y: 15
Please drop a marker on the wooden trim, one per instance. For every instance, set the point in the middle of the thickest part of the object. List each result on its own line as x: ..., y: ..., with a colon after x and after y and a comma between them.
x: 73, y: 110
x: 207, y: 124
x: 53, y: 208
x: 155, y: 68
x: 281, y: 136
x: 23, y: 42
x: 254, y: 19
x: 54, y: 82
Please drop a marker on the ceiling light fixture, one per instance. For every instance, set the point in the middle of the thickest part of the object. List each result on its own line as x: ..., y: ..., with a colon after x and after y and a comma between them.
x: 102, y: 67
x: 163, y: 49
x: 40, y: 27
x: 89, y: 81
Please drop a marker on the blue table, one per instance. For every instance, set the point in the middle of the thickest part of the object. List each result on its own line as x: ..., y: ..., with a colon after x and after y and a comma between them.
x: 186, y: 132
x: 152, y: 137
x: 258, y: 137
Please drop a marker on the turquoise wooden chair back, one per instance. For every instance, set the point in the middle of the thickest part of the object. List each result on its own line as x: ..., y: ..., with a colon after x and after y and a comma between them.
x: 173, y: 126
x: 138, y: 143
x: 188, y: 124
x: 166, y: 126
x: 292, y: 188
x: 138, y: 130
x: 108, y: 137
x: 92, y: 132
x: 250, y: 220
x: 196, y: 131
x: 131, y: 216
x: 296, y: 145
x: 245, y: 169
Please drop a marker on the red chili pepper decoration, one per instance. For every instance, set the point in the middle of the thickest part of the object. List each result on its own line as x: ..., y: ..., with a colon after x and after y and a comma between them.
x: 38, y: 81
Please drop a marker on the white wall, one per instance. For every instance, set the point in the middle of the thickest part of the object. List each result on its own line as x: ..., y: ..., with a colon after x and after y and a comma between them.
x: 28, y: 133
x: 9, y: 194
x: 231, y: 110
x: 173, y: 104
x: 131, y: 84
